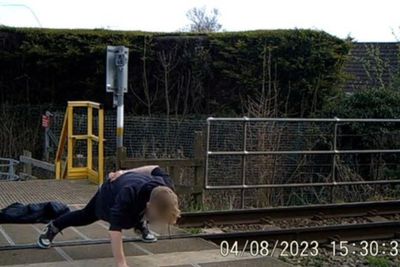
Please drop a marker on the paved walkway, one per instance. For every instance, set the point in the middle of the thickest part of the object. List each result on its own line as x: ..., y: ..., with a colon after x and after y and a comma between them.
x: 67, y: 191
x: 204, y: 258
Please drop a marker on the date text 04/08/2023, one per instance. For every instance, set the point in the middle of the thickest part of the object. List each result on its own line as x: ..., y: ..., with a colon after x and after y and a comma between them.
x: 311, y: 248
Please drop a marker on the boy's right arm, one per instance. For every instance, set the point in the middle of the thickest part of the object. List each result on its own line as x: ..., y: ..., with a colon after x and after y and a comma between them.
x: 117, y: 248
x: 121, y: 207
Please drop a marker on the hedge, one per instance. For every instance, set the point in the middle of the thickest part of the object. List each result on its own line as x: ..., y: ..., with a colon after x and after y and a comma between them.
x: 209, y: 73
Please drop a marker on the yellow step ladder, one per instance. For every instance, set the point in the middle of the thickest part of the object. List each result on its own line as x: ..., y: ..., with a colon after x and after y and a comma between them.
x: 68, y: 139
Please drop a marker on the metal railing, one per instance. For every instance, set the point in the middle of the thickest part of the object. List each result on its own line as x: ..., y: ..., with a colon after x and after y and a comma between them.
x: 334, y: 151
x: 7, y: 169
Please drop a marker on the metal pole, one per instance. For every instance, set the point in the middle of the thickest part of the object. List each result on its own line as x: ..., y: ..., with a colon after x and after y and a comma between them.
x: 120, y: 62
x: 100, y: 145
x: 335, y: 152
x: 207, y: 150
x: 244, y: 162
x: 303, y: 119
x: 255, y: 186
x: 120, y: 119
x: 305, y: 152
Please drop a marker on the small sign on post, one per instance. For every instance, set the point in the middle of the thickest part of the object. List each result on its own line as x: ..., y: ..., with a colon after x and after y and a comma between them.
x: 116, y: 56
x: 45, y: 121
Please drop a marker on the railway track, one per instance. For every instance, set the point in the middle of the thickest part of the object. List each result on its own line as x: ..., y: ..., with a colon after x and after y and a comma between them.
x: 253, y: 216
x: 375, y: 230
x: 377, y: 227
x: 321, y: 234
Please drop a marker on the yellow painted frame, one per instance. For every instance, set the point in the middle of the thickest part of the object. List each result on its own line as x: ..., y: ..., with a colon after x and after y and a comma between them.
x: 67, y: 135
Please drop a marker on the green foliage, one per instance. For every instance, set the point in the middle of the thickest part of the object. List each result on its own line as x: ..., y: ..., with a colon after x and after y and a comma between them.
x: 378, y: 261
x: 370, y: 103
x: 193, y: 231
x: 195, y: 73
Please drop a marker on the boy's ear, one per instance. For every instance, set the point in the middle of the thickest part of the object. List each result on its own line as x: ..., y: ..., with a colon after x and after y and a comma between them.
x: 148, y: 204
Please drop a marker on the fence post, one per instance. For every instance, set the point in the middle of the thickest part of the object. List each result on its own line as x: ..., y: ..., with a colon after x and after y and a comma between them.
x: 174, y: 172
x: 27, y: 167
x: 199, y: 154
x: 121, y: 157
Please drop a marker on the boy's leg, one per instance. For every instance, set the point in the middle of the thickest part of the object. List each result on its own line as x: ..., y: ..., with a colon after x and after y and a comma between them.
x: 85, y: 216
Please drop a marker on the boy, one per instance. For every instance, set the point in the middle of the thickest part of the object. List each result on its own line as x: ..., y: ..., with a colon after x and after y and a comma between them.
x: 128, y: 199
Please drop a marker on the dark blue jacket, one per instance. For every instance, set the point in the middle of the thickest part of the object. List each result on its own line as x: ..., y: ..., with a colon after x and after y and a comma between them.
x: 32, y: 213
x: 123, y: 201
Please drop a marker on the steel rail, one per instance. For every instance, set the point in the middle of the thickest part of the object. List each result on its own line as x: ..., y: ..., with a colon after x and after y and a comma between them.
x: 248, y: 216
x: 302, y: 152
x: 328, y: 184
x: 301, y: 119
x: 321, y: 234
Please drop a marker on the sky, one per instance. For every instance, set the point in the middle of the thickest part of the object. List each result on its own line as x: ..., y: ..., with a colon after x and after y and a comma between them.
x: 363, y: 20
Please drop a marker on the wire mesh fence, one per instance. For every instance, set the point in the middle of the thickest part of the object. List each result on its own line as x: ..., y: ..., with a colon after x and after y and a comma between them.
x: 144, y: 137
x: 173, y: 137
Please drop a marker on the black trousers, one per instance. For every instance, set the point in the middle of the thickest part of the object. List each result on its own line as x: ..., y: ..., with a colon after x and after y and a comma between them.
x: 85, y: 216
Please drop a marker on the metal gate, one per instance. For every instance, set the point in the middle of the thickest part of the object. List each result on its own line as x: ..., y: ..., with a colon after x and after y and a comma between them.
x: 245, y: 152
